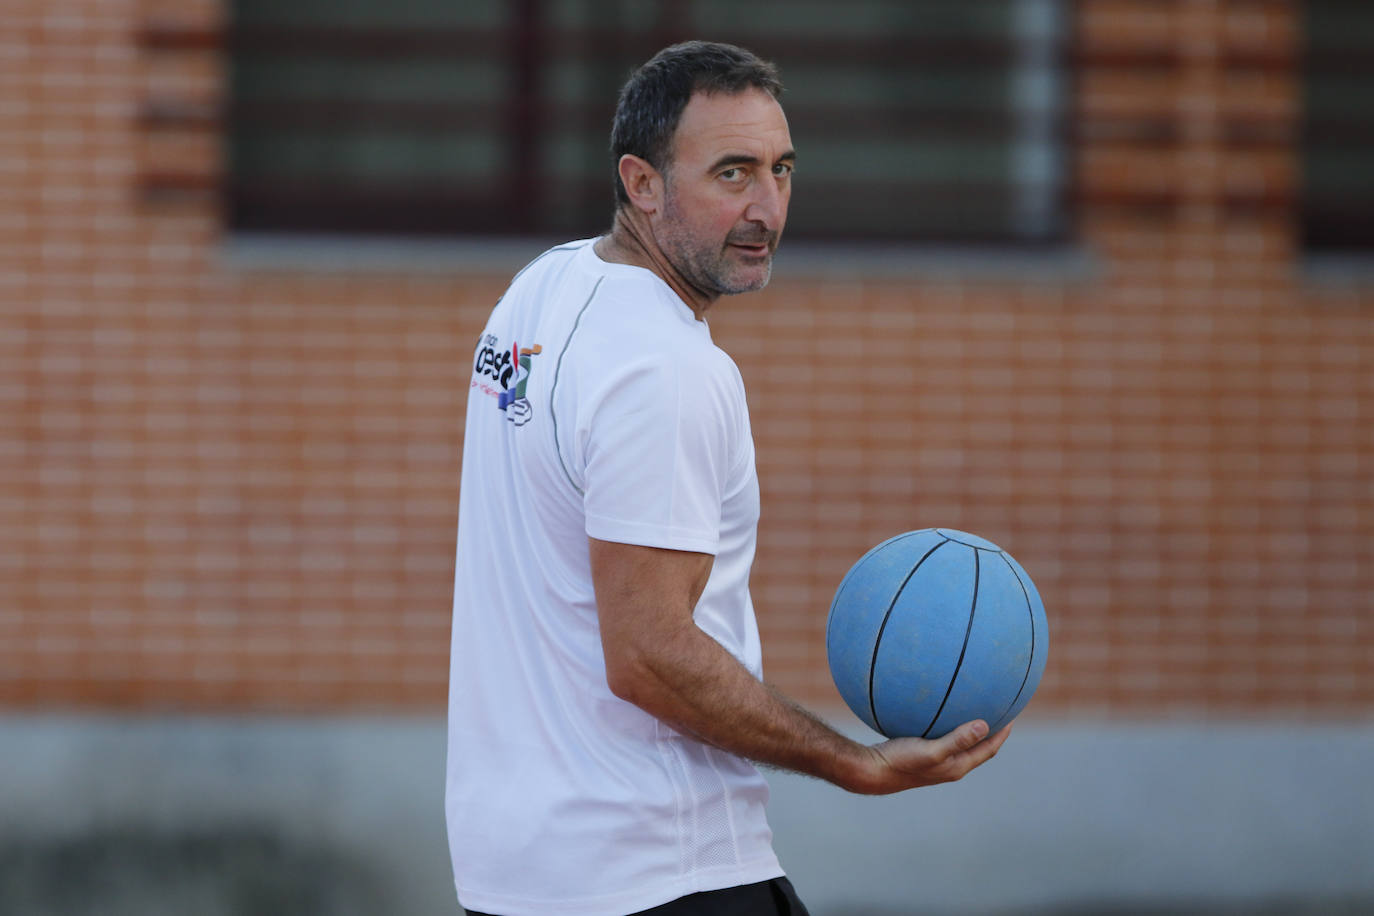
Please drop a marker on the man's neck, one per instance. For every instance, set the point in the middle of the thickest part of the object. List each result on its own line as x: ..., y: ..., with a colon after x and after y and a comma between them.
x: 630, y: 241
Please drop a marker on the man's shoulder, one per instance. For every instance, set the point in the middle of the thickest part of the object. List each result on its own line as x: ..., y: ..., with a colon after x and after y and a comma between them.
x: 629, y: 319
x: 625, y: 314
x: 549, y: 260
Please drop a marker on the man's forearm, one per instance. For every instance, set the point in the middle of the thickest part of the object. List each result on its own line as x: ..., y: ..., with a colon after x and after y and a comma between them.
x: 696, y: 686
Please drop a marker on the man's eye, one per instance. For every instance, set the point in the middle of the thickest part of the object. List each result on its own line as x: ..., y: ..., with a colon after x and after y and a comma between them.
x: 782, y: 168
x: 732, y: 174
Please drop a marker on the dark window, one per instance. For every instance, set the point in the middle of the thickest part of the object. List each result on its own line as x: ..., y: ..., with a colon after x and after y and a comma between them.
x: 1338, y: 154
x: 913, y: 119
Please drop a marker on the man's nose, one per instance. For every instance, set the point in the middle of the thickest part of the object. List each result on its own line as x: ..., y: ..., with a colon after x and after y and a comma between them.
x: 769, y: 204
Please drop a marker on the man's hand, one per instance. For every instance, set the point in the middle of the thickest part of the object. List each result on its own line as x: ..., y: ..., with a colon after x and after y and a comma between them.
x: 906, y: 763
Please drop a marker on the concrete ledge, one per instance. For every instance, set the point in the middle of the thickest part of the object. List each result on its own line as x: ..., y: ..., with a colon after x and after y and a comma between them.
x: 273, y: 252
x: 343, y: 793
x: 1352, y: 272
x: 967, y: 264
x: 1103, y: 817
x: 796, y: 260
x: 1084, y: 817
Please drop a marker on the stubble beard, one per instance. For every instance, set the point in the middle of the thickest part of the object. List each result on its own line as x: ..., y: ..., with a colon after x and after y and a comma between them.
x: 709, y: 267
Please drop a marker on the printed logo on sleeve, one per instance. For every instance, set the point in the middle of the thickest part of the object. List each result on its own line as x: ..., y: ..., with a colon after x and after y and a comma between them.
x: 509, y: 368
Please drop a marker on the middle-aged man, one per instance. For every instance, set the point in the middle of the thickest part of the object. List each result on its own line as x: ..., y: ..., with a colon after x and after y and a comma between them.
x: 606, y: 696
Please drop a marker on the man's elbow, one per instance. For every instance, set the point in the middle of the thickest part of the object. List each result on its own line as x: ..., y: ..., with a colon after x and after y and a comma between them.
x: 620, y: 682
x: 631, y: 679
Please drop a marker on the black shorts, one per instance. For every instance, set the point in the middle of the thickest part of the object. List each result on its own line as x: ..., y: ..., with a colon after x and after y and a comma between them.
x: 767, y: 898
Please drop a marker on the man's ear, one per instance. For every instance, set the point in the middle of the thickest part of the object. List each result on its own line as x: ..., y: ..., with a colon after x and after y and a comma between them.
x: 643, y: 183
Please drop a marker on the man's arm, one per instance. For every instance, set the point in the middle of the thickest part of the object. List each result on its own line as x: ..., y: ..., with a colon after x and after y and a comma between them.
x: 659, y: 659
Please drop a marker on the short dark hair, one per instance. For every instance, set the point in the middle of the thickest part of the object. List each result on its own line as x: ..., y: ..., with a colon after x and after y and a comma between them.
x: 652, y: 100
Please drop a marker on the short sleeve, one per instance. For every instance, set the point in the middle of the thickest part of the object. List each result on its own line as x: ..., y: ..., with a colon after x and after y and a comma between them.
x: 659, y: 448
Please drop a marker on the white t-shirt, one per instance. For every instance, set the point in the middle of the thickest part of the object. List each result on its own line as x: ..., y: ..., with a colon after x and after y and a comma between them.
x: 598, y: 407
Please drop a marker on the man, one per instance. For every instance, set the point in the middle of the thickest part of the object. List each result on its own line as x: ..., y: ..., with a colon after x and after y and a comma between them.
x: 605, y: 694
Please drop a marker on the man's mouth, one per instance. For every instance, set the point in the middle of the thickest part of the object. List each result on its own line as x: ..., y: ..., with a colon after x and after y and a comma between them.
x: 755, y: 248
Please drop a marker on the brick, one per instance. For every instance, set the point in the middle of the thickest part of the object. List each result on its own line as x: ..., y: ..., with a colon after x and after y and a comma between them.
x: 225, y: 485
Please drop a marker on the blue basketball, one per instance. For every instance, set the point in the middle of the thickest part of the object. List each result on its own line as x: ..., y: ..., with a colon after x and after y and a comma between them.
x: 933, y: 628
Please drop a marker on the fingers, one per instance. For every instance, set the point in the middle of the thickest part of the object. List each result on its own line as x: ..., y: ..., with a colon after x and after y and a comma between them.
x: 969, y: 746
x: 966, y: 735
x: 906, y: 763
x: 977, y: 752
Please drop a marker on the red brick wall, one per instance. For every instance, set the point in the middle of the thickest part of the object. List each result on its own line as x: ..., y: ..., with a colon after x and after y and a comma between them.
x: 224, y: 488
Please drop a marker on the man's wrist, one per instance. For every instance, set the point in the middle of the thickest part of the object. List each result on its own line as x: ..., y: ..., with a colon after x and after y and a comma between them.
x: 864, y: 771
x: 852, y: 766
